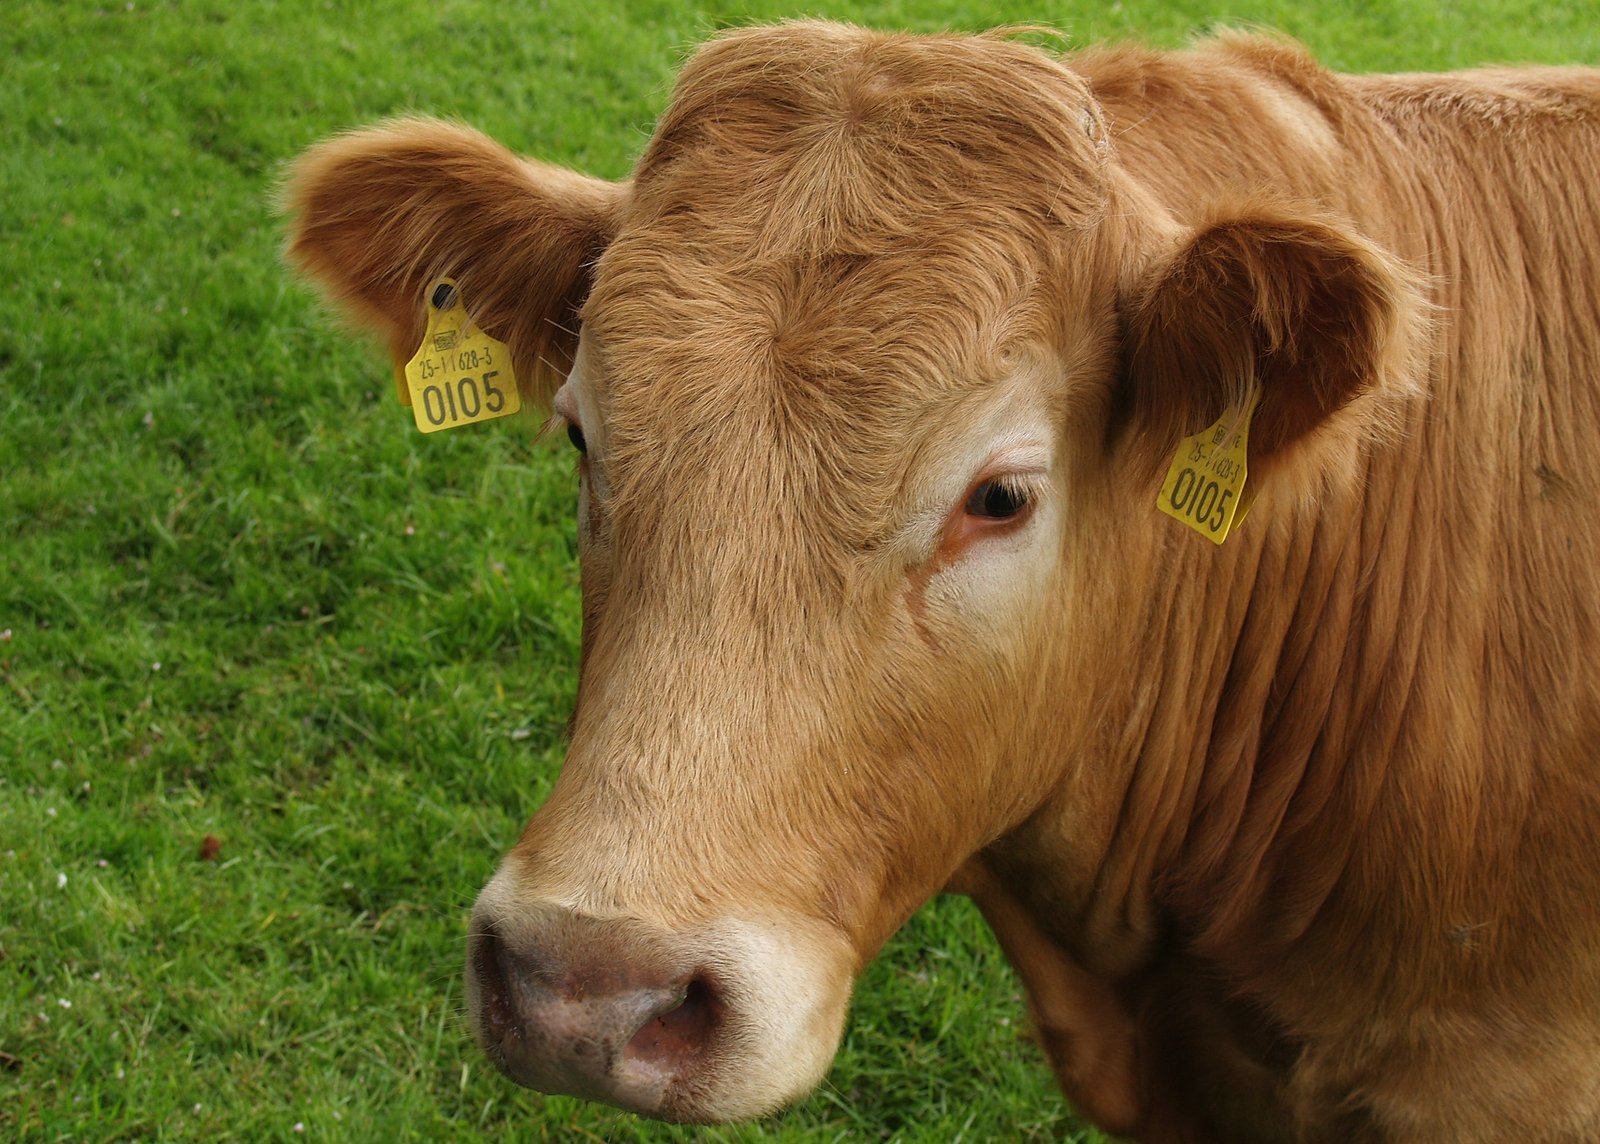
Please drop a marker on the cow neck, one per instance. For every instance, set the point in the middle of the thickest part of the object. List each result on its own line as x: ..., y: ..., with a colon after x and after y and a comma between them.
x: 1225, y: 747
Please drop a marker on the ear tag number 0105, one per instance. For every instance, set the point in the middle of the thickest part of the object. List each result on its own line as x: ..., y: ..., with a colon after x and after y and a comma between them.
x: 459, y: 374
x: 1204, y: 488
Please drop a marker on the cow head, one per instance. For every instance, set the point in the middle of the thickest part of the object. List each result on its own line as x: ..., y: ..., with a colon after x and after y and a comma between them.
x: 872, y: 368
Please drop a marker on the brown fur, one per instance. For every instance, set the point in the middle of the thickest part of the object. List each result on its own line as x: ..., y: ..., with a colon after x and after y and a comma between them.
x: 386, y: 211
x: 1290, y: 840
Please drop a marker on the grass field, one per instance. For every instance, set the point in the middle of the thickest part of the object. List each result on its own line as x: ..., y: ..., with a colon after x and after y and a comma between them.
x: 280, y: 678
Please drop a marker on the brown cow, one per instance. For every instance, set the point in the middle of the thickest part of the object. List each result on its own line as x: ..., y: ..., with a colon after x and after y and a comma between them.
x: 885, y: 348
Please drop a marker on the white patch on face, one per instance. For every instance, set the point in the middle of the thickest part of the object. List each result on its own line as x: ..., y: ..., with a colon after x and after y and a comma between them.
x: 565, y: 405
x: 788, y: 986
x: 573, y: 401
x: 996, y: 583
x: 575, y: 405
x: 993, y: 582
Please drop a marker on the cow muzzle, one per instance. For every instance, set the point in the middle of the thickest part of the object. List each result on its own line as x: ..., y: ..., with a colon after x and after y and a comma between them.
x: 596, y: 1009
x: 721, y: 1021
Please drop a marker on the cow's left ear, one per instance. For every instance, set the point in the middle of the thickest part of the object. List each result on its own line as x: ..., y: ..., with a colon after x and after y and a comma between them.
x: 379, y: 214
x: 1311, y: 312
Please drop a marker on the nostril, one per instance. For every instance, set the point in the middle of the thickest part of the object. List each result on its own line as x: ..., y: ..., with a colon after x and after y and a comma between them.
x: 496, y: 1012
x: 682, y: 1031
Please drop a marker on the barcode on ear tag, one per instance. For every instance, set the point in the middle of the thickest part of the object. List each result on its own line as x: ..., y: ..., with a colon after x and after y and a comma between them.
x: 459, y: 375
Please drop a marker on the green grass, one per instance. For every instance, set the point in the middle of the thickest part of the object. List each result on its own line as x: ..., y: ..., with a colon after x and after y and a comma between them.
x: 241, y: 597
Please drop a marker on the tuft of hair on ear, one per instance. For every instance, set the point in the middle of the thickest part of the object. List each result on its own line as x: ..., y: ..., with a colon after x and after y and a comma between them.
x: 378, y: 214
x: 1326, y: 323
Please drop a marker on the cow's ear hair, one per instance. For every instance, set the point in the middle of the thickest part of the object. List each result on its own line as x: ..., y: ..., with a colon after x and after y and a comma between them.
x: 379, y: 214
x: 1314, y: 314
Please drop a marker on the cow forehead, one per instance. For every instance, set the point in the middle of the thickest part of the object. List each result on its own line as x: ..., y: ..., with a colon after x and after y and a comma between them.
x: 832, y: 235
x: 811, y: 139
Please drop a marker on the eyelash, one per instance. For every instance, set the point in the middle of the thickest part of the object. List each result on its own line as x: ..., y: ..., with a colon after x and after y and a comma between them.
x: 998, y: 499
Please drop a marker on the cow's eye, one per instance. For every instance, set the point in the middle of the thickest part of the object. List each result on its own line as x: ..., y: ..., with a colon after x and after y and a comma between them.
x: 575, y: 435
x: 996, y: 500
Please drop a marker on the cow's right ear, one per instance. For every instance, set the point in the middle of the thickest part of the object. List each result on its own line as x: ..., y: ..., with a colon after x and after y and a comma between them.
x: 379, y: 214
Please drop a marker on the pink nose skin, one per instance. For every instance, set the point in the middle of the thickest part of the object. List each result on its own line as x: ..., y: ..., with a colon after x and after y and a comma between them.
x: 595, y: 1009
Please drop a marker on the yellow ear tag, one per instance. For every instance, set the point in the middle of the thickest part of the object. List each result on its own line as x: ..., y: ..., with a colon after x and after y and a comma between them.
x: 1205, y: 485
x: 459, y: 374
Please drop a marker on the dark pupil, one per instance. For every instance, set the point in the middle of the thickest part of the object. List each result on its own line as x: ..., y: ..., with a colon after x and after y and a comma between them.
x: 575, y: 435
x: 995, y: 500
